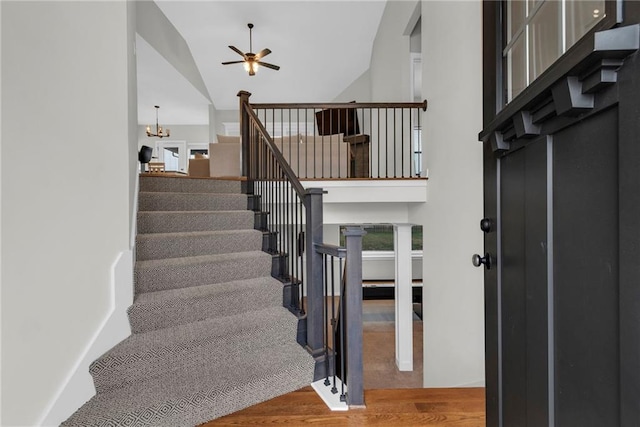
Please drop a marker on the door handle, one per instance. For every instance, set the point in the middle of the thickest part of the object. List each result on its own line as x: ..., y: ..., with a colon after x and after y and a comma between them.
x: 486, y: 225
x: 478, y: 260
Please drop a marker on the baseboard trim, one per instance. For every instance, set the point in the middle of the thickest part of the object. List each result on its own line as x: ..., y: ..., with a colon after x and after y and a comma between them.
x: 78, y: 386
x: 332, y: 400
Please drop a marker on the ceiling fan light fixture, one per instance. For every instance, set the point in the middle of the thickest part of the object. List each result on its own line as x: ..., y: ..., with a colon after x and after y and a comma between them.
x: 251, y: 61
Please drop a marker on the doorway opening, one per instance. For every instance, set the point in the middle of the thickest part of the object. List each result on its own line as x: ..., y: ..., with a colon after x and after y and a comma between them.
x: 173, y: 154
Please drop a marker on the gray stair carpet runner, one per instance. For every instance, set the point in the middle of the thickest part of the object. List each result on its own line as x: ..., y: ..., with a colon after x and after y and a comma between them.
x: 209, y: 333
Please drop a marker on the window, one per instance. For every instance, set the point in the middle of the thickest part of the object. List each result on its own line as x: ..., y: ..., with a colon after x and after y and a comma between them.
x: 538, y: 32
x: 379, y: 237
x: 202, y: 152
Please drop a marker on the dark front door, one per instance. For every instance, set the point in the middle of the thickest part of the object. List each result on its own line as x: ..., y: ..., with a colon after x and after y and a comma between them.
x: 562, y: 229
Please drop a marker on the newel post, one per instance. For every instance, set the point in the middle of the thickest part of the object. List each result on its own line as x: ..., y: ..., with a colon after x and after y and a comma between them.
x: 353, y: 315
x: 244, y: 132
x: 314, y: 259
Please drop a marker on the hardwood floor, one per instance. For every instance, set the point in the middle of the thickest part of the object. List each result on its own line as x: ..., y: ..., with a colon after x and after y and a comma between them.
x: 459, y: 407
x: 392, y: 398
x: 379, y: 357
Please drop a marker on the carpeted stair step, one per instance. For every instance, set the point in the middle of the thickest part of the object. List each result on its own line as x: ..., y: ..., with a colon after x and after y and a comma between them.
x: 163, y: 309
x: 210, y: 335
x: 222, y: 378
x: 189, y: 185
x: 162, y: 274
x: 148, y: 355
x: 165, y: 201
x: 175, y: 245
x: 179, y: 221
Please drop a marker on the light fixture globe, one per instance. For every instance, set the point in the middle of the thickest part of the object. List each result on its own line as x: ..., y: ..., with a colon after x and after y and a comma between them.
x: 251, y: 65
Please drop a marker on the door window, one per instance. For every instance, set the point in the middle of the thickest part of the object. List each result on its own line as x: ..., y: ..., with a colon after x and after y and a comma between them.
x: 538, y: 32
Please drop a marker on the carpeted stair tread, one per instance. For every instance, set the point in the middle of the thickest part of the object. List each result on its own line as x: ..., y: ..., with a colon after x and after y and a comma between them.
x: 165, y: 201
x: 190, y: 243
x: 163, y: 309
x: 172, y: 273
x: 181, y: 221
x: 189, y: 185
x: 210, y: 335
x: 148, y: 355
x: 194, y: 394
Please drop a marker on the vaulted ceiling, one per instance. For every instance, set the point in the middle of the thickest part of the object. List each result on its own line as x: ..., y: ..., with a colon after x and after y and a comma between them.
x: 321, y: 47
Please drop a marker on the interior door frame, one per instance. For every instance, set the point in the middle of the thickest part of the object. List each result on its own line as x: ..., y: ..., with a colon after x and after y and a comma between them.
x: 182, y: 152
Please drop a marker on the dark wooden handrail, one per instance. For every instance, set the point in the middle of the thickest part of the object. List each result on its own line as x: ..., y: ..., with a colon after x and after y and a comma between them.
x: 286, y: 168
x: 342, y: 105
x: 282, y: 197
x: 347, y: 140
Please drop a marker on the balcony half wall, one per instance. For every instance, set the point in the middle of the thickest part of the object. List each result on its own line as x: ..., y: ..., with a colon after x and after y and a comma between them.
x: 370, y: 201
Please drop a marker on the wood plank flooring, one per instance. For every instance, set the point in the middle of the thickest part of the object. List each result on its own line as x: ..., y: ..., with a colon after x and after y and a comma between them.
x: 456, y: 407
x: 379, y: 357
x: 392, y: 398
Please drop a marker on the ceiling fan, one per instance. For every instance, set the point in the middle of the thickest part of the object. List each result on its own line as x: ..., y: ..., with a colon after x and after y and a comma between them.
x: 252, y: 60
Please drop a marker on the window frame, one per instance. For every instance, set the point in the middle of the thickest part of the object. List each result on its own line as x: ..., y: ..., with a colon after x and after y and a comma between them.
x: 613, y: 16
x: 497, y: 111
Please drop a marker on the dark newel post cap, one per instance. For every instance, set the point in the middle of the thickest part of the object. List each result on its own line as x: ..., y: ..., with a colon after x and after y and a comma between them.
x: 354, y: 231
x: 244, y: 93
x: 316, y: 191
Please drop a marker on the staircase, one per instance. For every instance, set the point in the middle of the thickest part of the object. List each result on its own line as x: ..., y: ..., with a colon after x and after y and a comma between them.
x: 210, y: 335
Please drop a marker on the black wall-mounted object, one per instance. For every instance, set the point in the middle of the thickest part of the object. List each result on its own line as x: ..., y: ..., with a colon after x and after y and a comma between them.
x: 338, y: 120
x: 144, y: 156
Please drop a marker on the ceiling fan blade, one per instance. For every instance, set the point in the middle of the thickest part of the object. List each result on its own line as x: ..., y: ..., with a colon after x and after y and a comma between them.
x: 232, y: 62
x: 265, y: 64
x: 238, y: 51
x: 263, y: 53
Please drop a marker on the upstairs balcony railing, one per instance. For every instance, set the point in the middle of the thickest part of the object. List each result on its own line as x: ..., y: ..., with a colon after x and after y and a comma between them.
x: 347, y: 140
x: 291, y: 219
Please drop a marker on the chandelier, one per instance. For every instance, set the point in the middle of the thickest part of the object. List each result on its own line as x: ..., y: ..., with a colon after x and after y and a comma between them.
x: 159, y: 132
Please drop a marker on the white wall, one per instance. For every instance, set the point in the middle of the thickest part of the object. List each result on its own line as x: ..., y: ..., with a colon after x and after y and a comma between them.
x: 226, y: 116
x: 192, y: 134
x: 132, y: 76
x: 453, y: 288
x: 1, y: 222
x: 390, y: 57
x: 391, y: 82
x: 66, y: 191
x: 359, y: 90
x: 213, y: 122
x: 452, y: 72
x: 198, y: 134
x: 159, y: 32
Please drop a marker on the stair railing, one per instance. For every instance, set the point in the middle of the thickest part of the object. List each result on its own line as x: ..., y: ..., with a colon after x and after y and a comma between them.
x: 348, y: 140
x: 291, y: 218
x: 343, y: 316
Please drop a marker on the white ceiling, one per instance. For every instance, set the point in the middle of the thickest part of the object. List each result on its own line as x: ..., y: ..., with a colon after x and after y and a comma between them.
x: 321, y: 47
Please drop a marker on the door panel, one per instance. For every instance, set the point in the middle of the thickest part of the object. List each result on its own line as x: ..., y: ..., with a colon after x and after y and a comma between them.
x: 493, y: 336
x: 524, y: 285
x: 562, y: 181
x: 586, y: 271
x: 536, y: 307
x: 513, y: 292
